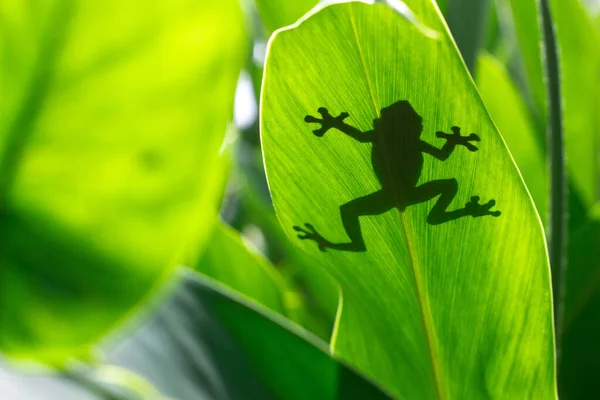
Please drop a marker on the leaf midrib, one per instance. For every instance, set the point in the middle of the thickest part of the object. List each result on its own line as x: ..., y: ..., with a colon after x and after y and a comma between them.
x: 425, y: 314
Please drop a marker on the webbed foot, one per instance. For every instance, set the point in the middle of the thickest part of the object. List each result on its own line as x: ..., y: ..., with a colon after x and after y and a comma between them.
x: 475, y: 209
x: 327, y: 121
x: 456, y: 138
x: 309, y: 233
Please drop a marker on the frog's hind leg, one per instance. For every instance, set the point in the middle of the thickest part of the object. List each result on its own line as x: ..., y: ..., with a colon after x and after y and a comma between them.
x: 447, y: 190
x: 372, y: 204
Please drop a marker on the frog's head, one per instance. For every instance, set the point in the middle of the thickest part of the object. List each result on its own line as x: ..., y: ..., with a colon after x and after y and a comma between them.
x: 399, y: 116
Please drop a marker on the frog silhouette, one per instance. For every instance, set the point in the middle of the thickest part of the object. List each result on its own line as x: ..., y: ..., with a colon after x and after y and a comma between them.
x: 397, y: 160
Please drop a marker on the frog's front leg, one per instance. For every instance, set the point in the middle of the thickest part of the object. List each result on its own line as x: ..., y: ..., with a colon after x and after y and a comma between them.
x: 455, y: 138
x: 327, y: 121
x: 310, y: 233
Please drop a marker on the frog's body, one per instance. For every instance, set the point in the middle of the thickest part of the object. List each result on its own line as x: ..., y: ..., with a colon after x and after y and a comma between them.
x: 396, y: 155
x: 397, y: 159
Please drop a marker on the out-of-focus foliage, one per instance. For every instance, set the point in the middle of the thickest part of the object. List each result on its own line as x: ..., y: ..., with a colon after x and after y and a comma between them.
x: 580, y: 353
x: 579, y: 56
x: 194, y: 347
x: 408, y: 310
x: 468, y: 20
x: 228, y: 261
x: 579, y: 51
x: 293, y: 366
x: 528, y: 32
x: 111, y: 118
x: 314, y: 293
x: 278, y: 13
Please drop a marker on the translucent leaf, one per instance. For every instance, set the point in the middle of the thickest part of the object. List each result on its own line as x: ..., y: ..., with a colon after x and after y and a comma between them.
x: 436, y: 303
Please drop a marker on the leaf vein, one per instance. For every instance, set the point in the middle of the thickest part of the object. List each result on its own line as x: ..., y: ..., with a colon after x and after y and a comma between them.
x: 425, y: 314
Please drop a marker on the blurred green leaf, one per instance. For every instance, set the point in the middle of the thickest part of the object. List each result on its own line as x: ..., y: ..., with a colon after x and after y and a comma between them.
x: 228, y: 261
x: 579, y: 52
x: 111, y: 118
x: 428, y: 311
x: 292, y: 363
x: 443, y: 5
x: 468, y: 20
x: 509, y: 112
x: 278, y: 13
x: 206, y: 342
x: 528, y: 29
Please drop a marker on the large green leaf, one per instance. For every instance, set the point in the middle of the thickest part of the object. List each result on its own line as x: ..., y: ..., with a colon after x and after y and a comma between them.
x: 510, y: 114
x: 111, y: 118
x: 460, y: 309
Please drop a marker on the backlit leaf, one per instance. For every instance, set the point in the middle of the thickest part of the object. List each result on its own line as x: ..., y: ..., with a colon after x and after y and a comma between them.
x: 433, y: 305
x: 111, y: 118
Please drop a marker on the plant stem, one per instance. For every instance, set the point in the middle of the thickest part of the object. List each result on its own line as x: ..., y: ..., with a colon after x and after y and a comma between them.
x: 556, y: 158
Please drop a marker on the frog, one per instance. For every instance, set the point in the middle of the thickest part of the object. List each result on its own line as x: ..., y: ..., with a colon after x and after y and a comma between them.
x: 397, y: 158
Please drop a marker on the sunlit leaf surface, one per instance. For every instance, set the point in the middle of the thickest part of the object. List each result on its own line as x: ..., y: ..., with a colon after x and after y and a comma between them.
x: 111, y: 117
x: 433, y: 305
